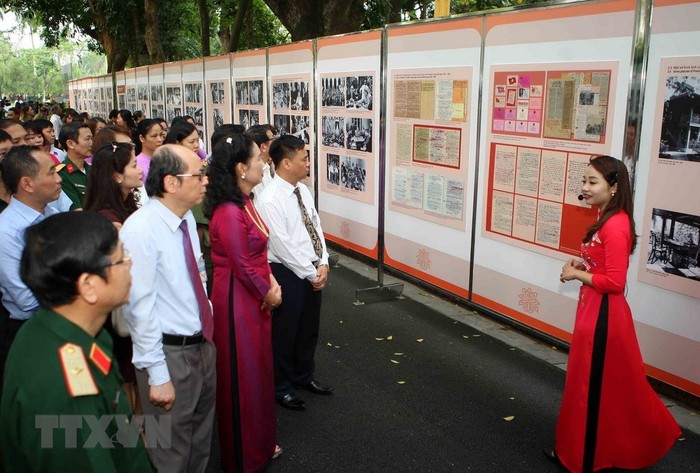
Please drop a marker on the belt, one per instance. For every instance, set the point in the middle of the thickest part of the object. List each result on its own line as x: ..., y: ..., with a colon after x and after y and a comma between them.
x: 182, y: 340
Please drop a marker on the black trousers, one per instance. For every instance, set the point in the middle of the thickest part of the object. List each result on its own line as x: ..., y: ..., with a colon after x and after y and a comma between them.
x: 295, y: 326
x: 8, y: 331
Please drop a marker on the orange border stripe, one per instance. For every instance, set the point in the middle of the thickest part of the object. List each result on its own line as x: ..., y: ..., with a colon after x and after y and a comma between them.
x: 437, y: 27
x: 371, y: 252
x: 449, y: 287
x: 348, y: 39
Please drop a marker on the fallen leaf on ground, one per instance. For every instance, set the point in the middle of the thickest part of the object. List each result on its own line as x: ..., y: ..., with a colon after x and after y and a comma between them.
x: 336, y: 346
x: 401, y: 382
x: 390, y: 337
x: 398, y: 354
x: 512, y: 398
x: 394, y: 361
x: 465, y: 336
x: 379, y: 339
x: 329, y: 344
x: 509, y: 418
x: 420, y: 340
x: 476, y: 335
x: 554, y: 348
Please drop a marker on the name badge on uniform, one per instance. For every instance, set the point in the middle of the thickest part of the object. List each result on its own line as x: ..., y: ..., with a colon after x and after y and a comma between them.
x: 76, y: 372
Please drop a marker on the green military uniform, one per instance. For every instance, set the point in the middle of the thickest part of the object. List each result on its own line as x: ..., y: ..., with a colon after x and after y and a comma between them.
x: 57, y: 371
x: 74, y: 181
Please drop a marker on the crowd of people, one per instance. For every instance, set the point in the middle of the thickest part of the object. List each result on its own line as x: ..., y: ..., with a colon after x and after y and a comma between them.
x: 151, y: 274
x: 188, y: 290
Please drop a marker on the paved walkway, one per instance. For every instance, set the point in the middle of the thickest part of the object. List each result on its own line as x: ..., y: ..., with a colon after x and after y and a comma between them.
x: 425, y: 385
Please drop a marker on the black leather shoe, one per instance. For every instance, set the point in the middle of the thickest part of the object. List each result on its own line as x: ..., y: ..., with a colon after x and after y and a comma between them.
x: 318, y: 388
x: 291, y: 401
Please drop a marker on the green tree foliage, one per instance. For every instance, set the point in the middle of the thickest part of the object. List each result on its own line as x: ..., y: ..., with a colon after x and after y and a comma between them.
x: 33, y: 72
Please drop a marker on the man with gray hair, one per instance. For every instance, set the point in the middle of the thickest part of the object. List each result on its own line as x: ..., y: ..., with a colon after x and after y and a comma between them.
x: 169, y: 315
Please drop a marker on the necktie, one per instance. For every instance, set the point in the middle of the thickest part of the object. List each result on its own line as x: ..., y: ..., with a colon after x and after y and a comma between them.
x: 315, y: 240
x: 202, y: 301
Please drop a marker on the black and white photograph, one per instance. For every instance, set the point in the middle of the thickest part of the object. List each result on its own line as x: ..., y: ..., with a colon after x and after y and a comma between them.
x: 359, y: 134
x: 353, y: 173
x: 218, y: 93
x: 333, y: 169
x: 218, y: 116
x: 172, y: 112
x: 121, y: 101
x: 197, y: 114
x: 360, y: 92
x: 131, y: 94
x: 142, y: 93
x: 333, y: 131
x: 300, y: 127
x: 673, y: 244
x: 254, y: 117
x: 242, y: 93
x: 280, y: 95
x: 281, y: 124
x: 244, y: 118
x: 680, y: 135
x: 256, y: 92
x: 173, y: 96
x: 156, y: 93
x: 193, y: 93
x: 299, y: 95
x: 157, y: 110
x: 333, y: 92
x: 586, y: 97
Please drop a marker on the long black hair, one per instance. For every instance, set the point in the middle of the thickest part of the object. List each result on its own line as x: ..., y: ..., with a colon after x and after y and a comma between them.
x: 103, y: 192
x: 223, y: 186
x: 614, y: 172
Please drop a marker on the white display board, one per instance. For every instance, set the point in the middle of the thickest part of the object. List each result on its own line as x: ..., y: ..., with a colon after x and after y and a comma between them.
x: 432, y: 103
x: 142, y: 91
x: 290, y: 75
x: 348, y: 107
x: 663, y: 289
x: 194, y: 103
x: 249, y: 78
x: 217, y: 79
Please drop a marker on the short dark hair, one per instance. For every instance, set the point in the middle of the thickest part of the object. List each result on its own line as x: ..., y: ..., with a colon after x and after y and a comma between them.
x: 38, y: 126
x: 51, y: 261
x: 6, y: 123
x: 113, y: 113
x: 284, y: 146
x: 224, y: 131
x: 70, y: 131
x: 165, y: 162
x: 143, y: 128
x: 179, y: 131
x: 56, y: 108
x: 258, y: 133
x: 4, y: 136
x: 18, y: 163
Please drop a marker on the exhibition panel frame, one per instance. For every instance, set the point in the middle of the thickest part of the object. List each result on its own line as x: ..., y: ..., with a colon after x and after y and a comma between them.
x: 217, y: 80
x: 249, y: 79
x: 348, y: 109
x: 290, y: 84
x: 432, y: 109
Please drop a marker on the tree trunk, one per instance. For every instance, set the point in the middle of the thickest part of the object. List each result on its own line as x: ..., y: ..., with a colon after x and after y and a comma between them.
x: 307, y: 19
x: 116, y: 56
x: 204, y: 27
x: 243, y: 6
x: 152, y: 32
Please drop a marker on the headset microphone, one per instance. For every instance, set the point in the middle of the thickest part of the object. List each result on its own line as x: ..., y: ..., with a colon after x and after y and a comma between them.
x: 580, y: 197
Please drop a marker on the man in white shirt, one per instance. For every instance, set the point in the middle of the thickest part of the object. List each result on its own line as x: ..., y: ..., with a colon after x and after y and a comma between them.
x: 55, y: 118
x: 169, y: 315
x: 299, y: 260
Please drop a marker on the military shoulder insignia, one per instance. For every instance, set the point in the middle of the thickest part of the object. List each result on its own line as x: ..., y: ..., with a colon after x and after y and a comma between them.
x: 100, y: 359
x: 59, y: 167
x: 70, y: 168
x: 76, y: 371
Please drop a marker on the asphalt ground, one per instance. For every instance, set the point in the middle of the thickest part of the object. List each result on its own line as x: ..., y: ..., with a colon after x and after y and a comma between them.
x: 422, y: 384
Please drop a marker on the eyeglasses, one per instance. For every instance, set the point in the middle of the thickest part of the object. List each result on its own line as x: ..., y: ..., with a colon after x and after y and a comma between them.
x: 126, y: 258
x: 201, y: 174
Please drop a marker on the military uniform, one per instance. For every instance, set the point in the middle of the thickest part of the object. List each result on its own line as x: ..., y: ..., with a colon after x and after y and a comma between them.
x: 74, y: 181
x: 57, y: 369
